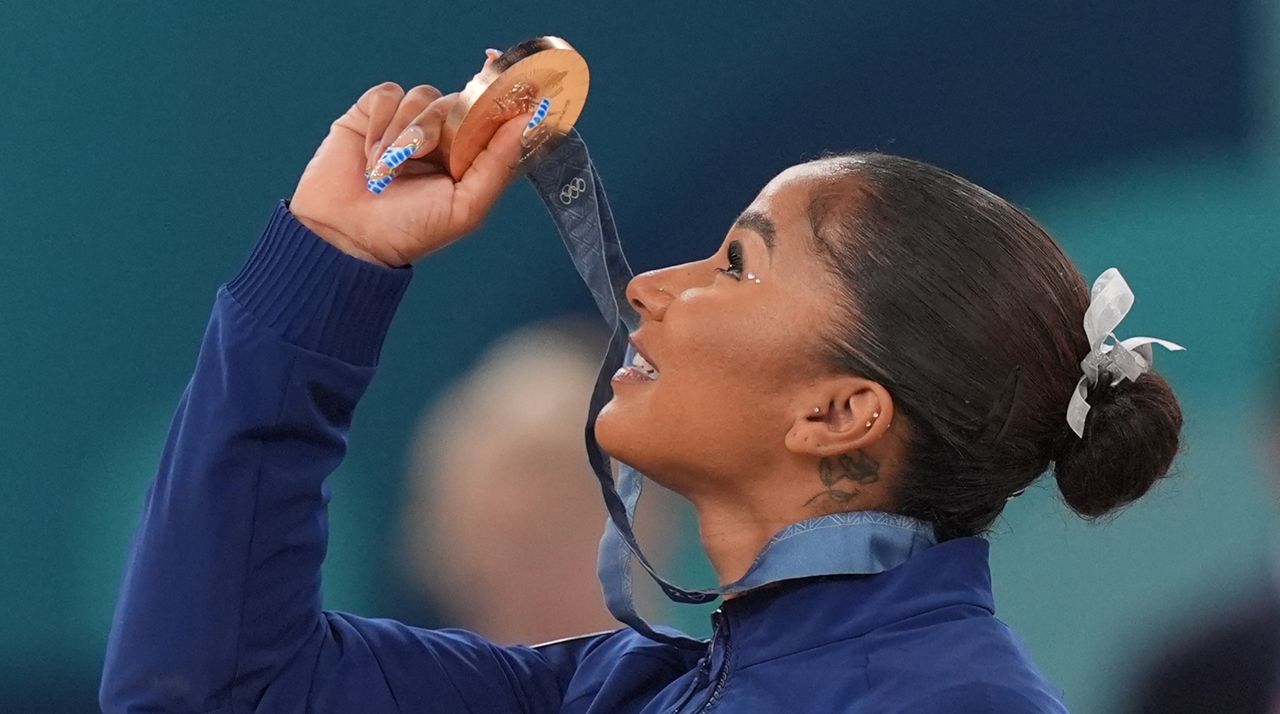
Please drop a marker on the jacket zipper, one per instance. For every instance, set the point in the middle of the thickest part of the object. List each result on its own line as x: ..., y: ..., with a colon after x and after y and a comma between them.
x: 724, y: 673
x: 704, y: 664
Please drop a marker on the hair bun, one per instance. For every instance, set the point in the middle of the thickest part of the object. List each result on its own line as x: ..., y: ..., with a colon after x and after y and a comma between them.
x: 1130, y: 439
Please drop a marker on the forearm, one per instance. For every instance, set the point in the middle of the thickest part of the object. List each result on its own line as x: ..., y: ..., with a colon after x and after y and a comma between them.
x: 223, y: 584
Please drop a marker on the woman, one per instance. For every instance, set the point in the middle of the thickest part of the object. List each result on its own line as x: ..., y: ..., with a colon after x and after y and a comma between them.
x: 873, y: 335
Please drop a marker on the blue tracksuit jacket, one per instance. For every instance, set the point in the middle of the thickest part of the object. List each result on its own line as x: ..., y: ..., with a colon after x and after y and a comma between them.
x: 220, y: 607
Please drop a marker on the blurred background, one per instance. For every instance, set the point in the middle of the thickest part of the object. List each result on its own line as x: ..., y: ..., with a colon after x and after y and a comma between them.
x: 144, y: 146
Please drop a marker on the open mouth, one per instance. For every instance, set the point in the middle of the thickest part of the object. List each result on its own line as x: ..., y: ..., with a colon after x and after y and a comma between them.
x: 640, y: 370
x: 642, y: 364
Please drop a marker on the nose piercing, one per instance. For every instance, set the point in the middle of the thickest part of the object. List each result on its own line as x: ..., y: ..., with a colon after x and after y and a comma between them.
x: 817, y: 410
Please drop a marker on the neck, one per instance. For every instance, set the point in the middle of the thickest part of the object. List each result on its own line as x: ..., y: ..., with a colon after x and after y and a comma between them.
x: 735, y: 527
x: 733, y: 535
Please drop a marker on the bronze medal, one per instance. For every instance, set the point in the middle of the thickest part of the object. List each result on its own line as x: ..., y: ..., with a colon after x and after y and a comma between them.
x: 513, y: 84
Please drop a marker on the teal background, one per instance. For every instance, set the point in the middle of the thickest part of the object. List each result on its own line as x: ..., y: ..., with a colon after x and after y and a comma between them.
x: 145, y: 144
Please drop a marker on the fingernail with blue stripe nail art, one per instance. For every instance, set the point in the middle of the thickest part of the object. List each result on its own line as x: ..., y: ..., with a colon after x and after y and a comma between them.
x: 378, y: 185
x: 402, y: 148
x: 539, y: 115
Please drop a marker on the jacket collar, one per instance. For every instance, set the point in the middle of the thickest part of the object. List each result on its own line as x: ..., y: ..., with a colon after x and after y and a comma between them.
x: 797, y: 615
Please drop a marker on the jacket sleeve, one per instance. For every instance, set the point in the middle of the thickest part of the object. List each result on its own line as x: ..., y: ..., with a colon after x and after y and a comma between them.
x: 220, y: 608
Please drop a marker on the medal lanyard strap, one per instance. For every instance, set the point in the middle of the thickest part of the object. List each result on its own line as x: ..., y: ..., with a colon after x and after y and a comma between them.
x: 861, y: 542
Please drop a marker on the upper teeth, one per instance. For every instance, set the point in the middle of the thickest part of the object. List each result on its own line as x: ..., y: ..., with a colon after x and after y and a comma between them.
x: 642, y: 364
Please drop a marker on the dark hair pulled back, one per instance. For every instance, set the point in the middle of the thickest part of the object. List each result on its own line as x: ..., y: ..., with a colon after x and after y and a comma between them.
x: 970, y: 314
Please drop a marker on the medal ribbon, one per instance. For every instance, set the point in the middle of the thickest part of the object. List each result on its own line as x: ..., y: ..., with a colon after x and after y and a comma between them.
x: 861, y: 542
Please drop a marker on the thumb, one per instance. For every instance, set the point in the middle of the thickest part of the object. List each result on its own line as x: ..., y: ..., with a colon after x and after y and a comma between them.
x: 492, y: 171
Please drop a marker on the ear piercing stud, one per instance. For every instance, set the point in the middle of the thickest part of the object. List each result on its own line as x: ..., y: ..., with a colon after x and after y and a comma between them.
x: 818, y: 410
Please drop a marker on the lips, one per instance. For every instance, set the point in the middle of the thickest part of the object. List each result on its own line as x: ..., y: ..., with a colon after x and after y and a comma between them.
x: 642, y: 358
x: 641, y: 368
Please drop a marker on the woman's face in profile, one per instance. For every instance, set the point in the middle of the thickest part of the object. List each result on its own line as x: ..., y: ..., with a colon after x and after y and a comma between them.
x: 734, y: 338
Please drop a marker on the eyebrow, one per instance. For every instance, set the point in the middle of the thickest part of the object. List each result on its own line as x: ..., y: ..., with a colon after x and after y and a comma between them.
x: 760, y: 223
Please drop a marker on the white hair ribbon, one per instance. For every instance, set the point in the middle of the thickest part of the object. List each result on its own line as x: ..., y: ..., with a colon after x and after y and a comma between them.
x: 1110, y: 300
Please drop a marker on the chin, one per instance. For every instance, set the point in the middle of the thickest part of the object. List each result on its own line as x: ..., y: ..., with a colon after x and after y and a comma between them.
x: 611, y: 426
x: 627, y: 435
x: 634, y: 439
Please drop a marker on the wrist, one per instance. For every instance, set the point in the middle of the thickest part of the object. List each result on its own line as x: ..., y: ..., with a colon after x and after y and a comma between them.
x: 316, y: 296
x: 337, y: 238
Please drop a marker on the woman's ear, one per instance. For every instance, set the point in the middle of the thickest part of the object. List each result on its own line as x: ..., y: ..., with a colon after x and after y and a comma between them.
x: 839, y: 416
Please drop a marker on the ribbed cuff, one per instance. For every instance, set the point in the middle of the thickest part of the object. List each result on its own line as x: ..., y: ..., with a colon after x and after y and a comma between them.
x: 316, y: 296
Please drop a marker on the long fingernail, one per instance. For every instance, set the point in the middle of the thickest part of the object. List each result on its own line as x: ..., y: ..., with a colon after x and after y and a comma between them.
x: 402, y: 148
x: 492, y: 53
x: 539, y: 116
x: 378, y: 185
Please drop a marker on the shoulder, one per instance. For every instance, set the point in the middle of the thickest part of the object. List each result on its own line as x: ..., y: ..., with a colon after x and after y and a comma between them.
x: 616, y: 643
x: 948, y: 638
x: 601, y: 654
x: 623, y: 661
x: 962, y: 665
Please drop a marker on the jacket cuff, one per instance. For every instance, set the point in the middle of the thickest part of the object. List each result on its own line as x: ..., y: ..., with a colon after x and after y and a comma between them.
x: 314, y: 295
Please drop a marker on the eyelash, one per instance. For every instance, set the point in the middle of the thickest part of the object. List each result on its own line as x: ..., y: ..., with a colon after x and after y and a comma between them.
x: 735, y: 261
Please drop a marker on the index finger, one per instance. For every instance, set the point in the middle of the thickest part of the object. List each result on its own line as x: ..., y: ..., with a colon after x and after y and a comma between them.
x: 357, y: 116
x: 431, y: 124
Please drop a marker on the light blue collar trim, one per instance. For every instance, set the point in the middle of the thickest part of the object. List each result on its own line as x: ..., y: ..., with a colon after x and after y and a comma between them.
x: 856, y: 543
